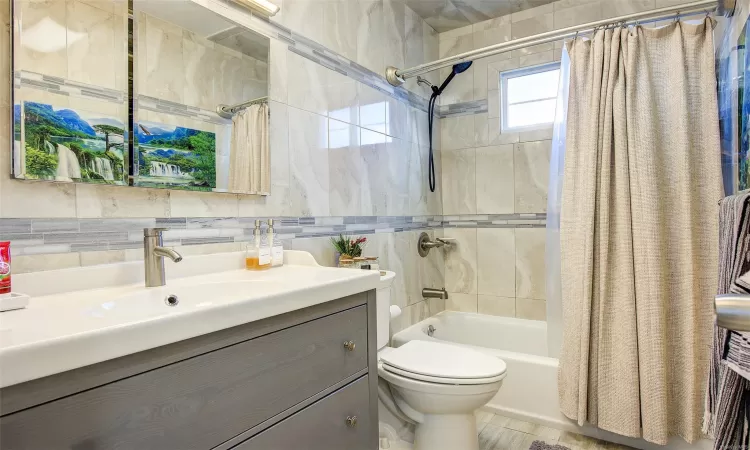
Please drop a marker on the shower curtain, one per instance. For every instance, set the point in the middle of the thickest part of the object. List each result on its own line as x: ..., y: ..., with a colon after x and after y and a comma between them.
x: 250, y: 157
x: 638, y: 230
x: 554, y: 202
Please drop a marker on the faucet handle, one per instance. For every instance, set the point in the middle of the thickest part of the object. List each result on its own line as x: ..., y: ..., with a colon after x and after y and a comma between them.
x: 446, y: 241
x: 151, y: 232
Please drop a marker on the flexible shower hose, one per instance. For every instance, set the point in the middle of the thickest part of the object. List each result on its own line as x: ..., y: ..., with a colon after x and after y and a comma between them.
x: 430, y: 120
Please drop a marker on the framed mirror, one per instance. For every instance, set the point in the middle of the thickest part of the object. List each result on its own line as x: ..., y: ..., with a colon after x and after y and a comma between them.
x: 188, y: 112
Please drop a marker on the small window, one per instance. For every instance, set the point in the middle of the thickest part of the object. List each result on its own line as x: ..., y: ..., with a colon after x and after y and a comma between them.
x: 529, y: 97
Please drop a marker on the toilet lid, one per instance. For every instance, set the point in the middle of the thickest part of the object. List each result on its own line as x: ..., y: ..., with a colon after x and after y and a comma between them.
x: 438, y: 360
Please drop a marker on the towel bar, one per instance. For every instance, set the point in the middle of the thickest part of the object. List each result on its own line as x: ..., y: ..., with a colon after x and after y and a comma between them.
x: 733, y: 311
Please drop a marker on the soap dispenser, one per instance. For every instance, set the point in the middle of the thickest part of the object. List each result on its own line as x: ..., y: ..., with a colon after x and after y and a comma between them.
x: 277, y: 248
x: 258, y: 255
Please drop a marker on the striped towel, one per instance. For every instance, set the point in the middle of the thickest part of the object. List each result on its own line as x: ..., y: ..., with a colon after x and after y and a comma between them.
x: 727, y: 415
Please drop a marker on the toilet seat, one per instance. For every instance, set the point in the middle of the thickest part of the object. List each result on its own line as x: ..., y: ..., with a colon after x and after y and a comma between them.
x: 441, y: 380
x: 435, y: 362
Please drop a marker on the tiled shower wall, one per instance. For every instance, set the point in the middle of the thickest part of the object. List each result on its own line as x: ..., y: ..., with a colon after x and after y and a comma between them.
x: 502, y: 271
x: 340, y: 146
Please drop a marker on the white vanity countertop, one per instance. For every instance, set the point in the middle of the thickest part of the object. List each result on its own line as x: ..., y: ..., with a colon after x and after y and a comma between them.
x: 64, y: 331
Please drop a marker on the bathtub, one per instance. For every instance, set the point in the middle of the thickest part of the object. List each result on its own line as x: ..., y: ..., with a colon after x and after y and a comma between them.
x: 529, y: 390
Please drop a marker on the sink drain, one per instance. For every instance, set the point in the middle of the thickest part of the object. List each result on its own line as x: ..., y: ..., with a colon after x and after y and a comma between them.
x: 171, y: 300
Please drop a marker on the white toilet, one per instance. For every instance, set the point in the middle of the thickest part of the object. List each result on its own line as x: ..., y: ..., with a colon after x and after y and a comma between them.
x: 436, y: 386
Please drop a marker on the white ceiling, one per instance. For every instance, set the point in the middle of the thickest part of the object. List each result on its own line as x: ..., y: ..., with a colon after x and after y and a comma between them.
x: 445, y: 15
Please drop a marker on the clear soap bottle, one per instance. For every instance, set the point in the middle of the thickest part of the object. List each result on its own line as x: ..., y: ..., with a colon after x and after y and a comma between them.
x: 258, y: 256
x: 277, y: 248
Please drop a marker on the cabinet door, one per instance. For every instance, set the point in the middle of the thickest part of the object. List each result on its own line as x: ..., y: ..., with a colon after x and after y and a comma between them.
x: 203, y: 401
x: 339, y: 421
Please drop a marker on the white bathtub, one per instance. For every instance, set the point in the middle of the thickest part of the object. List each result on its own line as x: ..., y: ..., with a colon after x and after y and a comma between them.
x: 529, y: 391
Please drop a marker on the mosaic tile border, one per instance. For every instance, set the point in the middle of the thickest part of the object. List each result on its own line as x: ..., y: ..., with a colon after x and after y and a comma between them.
x: 49, y: 236
x: 178, y: 109
x: 463, y: 108
x: 524, y: 220
x: 62, y: 86
x: 329, y: 59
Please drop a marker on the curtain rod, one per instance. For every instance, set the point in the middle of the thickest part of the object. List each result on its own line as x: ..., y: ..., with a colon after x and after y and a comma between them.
x: 397, y: 77
x: 228, y: 112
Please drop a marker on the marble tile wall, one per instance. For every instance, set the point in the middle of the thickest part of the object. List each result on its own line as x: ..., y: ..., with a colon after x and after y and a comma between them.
x: 501, y: 271
x: 342, y: 145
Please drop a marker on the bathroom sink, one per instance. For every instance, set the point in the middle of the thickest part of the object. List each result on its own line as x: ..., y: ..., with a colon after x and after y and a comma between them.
x: 148, y: 302
x: 64, y: 331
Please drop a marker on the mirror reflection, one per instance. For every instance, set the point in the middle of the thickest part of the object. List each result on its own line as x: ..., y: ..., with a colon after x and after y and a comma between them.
x: 70, y: 102
x: 200, y: 86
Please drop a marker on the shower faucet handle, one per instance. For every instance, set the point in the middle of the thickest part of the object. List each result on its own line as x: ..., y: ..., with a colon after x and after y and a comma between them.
x: 425, y: 244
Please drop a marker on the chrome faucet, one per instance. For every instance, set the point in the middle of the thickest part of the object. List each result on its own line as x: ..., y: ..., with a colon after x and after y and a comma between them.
x: 435, y: 293
x: 424, y: 244
x: 153, y: 256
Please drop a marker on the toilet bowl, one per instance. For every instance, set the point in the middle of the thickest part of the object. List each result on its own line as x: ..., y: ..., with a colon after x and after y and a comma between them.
x: 436, y: 386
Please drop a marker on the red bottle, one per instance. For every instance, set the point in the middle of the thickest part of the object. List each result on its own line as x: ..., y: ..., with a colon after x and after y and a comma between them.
x: 5, y: 267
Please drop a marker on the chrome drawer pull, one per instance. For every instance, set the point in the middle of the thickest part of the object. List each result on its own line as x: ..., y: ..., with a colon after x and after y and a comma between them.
x: 349, y: 345
x: 351, y: 421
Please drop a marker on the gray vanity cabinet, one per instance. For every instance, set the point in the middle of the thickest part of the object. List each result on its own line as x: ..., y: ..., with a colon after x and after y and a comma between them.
x: 320, y: 427
x: 303, y: 380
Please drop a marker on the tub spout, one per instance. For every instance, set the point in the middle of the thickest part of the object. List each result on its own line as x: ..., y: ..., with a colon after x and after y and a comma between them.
x: 435, y: 293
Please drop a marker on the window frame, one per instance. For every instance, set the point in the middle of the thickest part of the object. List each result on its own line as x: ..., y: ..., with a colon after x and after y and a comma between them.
x: 516, y: 73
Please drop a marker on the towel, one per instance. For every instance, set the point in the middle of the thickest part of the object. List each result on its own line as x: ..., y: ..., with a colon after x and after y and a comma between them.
x: 727, y: 414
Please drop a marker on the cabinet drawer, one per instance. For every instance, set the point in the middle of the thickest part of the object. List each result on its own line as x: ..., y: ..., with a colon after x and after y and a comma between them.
x: 323, y: 425
x: 203, y: 401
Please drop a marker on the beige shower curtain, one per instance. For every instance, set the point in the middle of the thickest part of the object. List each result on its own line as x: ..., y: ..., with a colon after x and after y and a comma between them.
x: 250, y: 157
x: 638, y: 230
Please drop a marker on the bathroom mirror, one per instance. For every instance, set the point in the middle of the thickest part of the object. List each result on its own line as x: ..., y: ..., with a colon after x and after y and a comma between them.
x: 70, y: 91
x: 198, y: 96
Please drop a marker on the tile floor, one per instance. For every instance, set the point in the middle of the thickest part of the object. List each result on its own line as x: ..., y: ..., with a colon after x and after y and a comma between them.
x: 503, y: 433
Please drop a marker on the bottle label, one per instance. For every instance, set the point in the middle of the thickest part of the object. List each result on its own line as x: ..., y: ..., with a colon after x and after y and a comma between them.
x: 5, y: 267
x: 277, y: 255
x: 264, y: 256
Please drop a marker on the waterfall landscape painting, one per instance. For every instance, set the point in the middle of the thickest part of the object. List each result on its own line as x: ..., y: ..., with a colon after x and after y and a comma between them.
x: 61, y: 144
x: 175, y: 157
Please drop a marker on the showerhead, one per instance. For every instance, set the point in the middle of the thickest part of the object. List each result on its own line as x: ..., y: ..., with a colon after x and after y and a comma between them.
x: 458, y: 68
x: 461, y: 67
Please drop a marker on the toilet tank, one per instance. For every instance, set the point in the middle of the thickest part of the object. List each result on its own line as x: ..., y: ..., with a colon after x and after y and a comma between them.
x: 383, y: 302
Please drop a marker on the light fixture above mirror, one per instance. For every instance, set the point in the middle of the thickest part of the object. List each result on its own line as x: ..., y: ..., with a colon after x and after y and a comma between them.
x: 262, y: 6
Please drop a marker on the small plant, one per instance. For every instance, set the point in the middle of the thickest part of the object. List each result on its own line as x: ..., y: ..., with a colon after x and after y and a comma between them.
x: 349, y: 246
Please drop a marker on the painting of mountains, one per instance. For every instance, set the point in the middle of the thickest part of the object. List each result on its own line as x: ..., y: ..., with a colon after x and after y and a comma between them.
x: 61, y: 144
x: 175, y: 157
